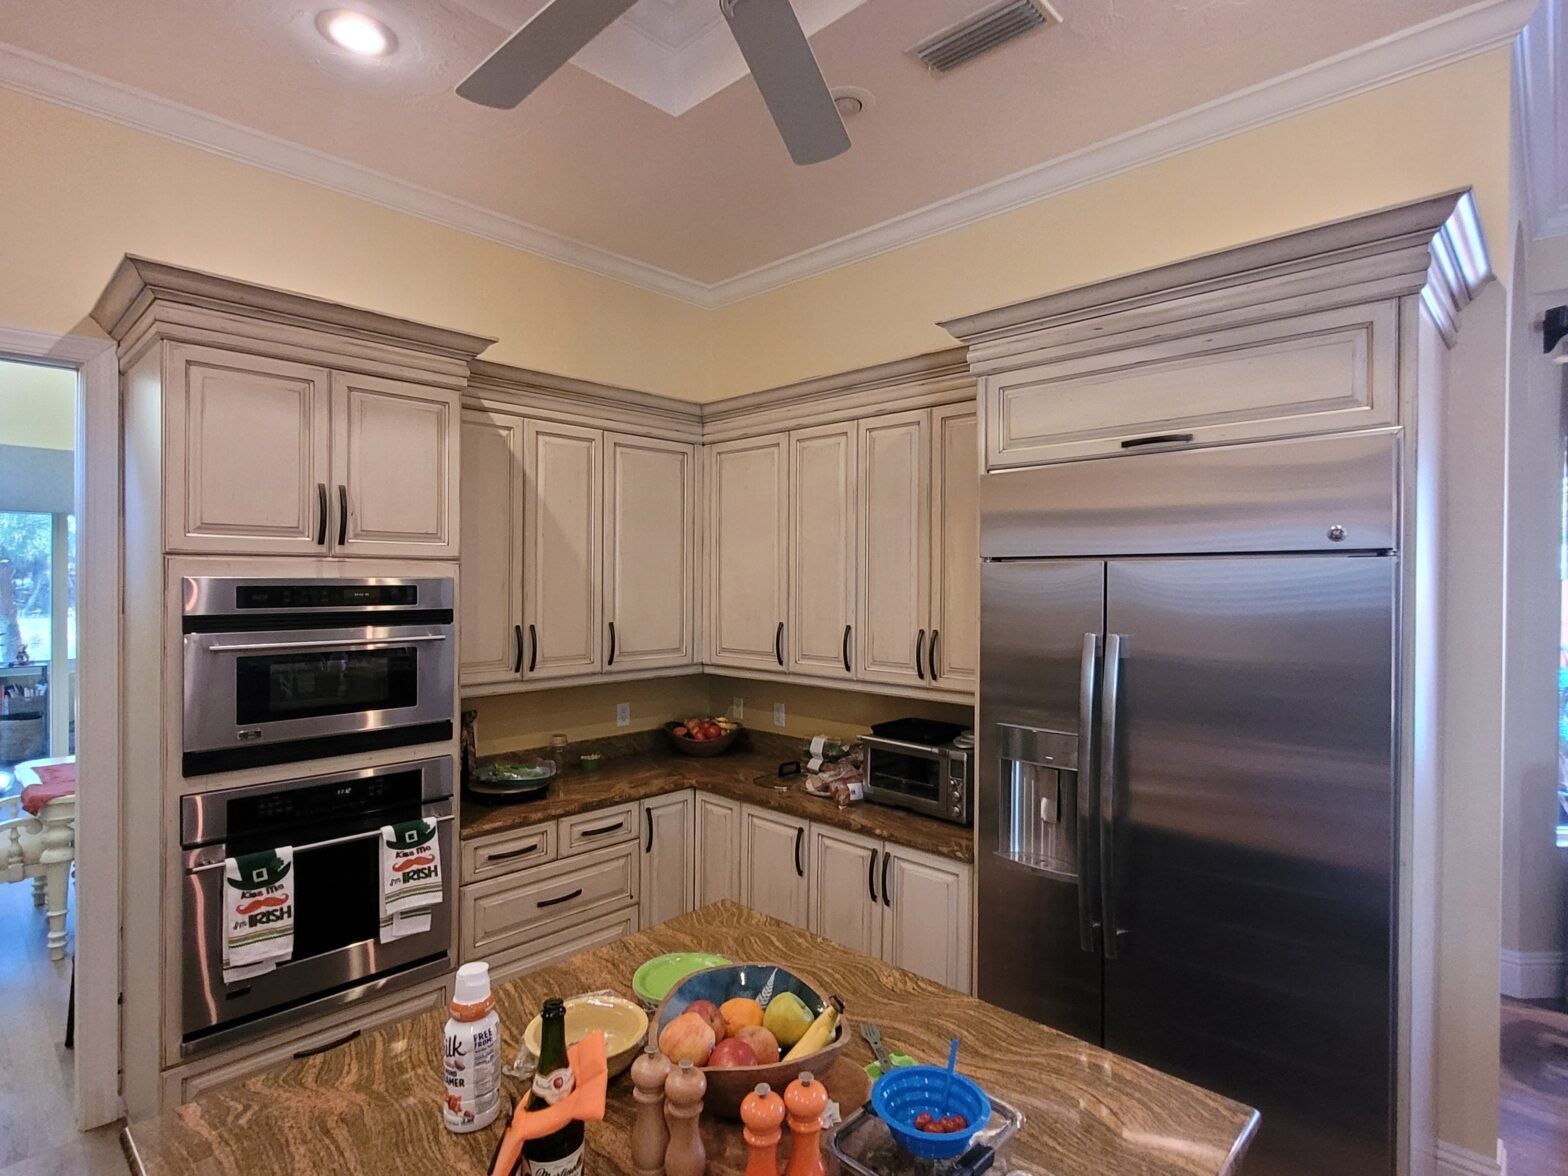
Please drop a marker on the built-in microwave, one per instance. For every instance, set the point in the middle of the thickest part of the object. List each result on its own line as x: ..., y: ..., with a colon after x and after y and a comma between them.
x: 279, y: 671
x: 913, y: 764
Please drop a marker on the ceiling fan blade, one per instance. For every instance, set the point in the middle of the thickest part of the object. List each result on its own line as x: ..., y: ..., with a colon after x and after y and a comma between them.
x: 775, y: 48
x: 542, y: 46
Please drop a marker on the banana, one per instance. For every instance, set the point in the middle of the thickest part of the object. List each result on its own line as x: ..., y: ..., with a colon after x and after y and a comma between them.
x: 819, y: 1032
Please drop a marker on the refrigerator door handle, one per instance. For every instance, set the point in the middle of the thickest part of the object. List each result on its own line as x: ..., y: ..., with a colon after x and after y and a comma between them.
x: 1108, y: 705
x: 1088, y: 789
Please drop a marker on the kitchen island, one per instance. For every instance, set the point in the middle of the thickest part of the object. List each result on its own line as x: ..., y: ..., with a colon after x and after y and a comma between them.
x: 373, y: 1105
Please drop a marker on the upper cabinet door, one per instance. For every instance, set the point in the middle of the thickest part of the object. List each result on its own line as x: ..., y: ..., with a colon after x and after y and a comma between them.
x: 563, y: 559
x: 492, y: 565
x: 895, y: 529
x: 748, y: 550
x: 247, y: 442
x: 650, y: 539
x: 953, y: 645
x: 822, y: 520
x: 395, y: 465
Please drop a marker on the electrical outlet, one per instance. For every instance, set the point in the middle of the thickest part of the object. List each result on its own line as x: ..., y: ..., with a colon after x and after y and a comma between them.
x: 737, y: 709
x: 623, y: 714
x: 778, y: 714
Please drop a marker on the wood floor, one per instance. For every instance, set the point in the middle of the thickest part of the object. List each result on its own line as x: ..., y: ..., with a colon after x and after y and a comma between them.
x: 1533, y: 1114
x: 38, y: 1135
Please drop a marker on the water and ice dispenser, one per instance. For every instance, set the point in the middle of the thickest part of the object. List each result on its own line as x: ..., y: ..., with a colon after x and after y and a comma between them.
x: 1038, y: 818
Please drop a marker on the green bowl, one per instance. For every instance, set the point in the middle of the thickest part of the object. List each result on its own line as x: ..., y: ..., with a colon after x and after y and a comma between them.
x: 653, y: 981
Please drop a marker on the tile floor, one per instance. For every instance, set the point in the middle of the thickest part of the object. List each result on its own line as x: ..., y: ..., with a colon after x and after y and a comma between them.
x: 1533, y: 1114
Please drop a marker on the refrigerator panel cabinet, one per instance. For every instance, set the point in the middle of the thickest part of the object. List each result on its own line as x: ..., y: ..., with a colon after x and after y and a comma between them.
x: 1250, y: 834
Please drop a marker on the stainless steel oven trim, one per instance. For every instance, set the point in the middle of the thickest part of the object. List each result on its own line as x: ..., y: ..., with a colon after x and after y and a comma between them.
x: 204, y: 595
x: 351, y: 643
x: 212, y: 857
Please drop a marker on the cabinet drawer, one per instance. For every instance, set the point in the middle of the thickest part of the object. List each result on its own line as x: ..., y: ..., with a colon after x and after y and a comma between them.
x: 510, y: 851
x: 606, y: 826
x: 562, y: 944
x: 509, y: 911
x: 1311, y: 373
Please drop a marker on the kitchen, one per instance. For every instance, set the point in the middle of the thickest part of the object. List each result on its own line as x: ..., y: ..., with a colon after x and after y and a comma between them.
x: 1065, y: 683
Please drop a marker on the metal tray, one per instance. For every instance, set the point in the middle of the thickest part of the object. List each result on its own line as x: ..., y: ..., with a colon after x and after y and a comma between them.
x: 863, y: 1145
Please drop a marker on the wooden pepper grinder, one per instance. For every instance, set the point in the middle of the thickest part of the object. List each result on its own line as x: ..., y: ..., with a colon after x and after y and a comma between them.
x: 683, y: 1094
x: 806, y: 1099
x: 649, y: 1134
x: 763, y: 1112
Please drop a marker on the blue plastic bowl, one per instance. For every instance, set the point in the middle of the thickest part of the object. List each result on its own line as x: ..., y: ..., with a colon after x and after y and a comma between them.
x: 902, y: 1094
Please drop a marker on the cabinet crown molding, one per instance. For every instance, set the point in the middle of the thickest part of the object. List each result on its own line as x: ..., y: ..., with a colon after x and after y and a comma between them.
x: 582, y: 401
x: 1433, y: 246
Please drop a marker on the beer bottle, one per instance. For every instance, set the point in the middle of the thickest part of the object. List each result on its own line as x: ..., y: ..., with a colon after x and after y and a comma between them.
x: 561, y: 1152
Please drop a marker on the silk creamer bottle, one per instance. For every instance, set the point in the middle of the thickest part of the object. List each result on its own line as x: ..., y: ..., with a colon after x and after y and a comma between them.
x: 473, y: 1053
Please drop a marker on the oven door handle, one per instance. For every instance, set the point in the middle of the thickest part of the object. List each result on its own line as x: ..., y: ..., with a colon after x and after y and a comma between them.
x: 331, y: 841
x: 341, y: 643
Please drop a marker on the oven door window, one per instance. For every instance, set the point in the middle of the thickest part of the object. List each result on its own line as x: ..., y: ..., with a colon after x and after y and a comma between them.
x: 304, y: 684
x: 911, y: 775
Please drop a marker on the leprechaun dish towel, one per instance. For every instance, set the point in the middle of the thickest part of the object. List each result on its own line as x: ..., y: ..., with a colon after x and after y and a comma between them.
x: 410, y: 878
x: 258, y: 912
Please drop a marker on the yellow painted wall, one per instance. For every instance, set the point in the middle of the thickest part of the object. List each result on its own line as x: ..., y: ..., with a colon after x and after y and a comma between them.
x: 510, y: 722
x: 77, y: 192
x: 1438, y: 131
x: 37, y: 406
x: 818, y: 710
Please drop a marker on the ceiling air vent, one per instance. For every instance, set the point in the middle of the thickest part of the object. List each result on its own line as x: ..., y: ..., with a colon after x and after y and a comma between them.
x: 994, y: 25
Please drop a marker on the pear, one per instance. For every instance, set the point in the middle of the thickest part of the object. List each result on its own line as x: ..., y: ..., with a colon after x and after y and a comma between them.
x: 787, y: 1018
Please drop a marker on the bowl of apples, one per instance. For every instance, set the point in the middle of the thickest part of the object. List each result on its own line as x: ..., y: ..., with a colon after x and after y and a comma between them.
x: 702, y: 736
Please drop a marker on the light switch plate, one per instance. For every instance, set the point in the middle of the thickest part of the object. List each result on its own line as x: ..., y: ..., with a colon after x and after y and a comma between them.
x: 778, y: 714
x: 623, y: 714
x: 737, y: 709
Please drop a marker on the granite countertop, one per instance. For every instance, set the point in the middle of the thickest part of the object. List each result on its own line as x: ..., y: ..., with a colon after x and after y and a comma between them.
x: 373, y: 1106
x: 649, y: 774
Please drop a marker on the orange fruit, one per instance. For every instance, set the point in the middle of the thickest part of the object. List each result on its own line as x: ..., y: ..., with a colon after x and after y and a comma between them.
x: 738, y: 1012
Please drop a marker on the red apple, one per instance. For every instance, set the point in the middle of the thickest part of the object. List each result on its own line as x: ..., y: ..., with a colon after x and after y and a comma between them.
x: 763, y: 1044
x: 732, y: 1051
x: 709, y: 1012
x: 688, y: 1038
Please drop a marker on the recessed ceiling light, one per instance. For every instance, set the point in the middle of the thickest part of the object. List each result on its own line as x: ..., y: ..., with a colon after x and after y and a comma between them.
x: 850, y: 100
x: 359, y: 34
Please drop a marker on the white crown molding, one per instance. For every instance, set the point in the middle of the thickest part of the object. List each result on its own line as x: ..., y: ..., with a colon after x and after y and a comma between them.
x: 1453, y: 1160
x: 1540, y: 75
x: 1427, y: 46
x: 1532, y: 975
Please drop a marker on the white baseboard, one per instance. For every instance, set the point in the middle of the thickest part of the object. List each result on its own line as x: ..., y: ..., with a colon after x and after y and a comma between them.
x: 1453, y: 1160
x: 1532, y: 975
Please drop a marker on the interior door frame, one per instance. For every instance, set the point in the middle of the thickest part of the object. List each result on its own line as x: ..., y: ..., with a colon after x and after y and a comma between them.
x: 96, y: 1057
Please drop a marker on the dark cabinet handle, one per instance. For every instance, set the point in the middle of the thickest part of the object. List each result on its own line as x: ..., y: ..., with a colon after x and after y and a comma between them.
x: 321, y: 1049
x: 321, y: 513
x: 1158, y: 439
x: 533, y: 648
x: 548, y: 902
x: 778, y: 643
x: 601, y: 830
x: 611, y: 662
x: 871, y: 878
x: 846, y: 649
x: 517, y: 666
x: 800, y: 841
x: 887, y: 894
x: 512, y: 853
x: 931, y: 655
x: 342, y: 514
x: 920, y: 649
x: 648, y: 815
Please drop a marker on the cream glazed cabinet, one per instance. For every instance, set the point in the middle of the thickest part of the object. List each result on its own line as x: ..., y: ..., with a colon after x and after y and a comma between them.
x: 580, y: 532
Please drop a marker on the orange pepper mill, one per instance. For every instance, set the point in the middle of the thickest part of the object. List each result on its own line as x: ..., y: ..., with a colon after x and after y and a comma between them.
x: 806, y: 1099
x: 763, y: 1113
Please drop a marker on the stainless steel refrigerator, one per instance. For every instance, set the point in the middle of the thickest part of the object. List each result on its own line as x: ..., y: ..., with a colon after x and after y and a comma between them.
x: 1187, y: 802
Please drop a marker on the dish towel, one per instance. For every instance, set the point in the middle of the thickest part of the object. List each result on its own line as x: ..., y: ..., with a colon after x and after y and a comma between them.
x: 258, y: 912
x: 410, y: 878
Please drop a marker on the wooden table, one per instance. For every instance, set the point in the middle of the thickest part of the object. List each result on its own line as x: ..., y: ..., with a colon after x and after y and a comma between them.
x: 373, y: 1106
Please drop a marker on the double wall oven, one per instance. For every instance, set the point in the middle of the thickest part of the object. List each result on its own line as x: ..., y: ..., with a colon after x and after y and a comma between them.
x: 279, y: 671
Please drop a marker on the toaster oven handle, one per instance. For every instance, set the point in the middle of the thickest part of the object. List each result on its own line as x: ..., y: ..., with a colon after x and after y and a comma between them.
x: 342, y: 643
x: 327, y: 844
x: 920, y: 749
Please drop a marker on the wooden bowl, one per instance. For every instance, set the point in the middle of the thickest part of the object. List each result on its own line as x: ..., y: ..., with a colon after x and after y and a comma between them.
x: 700, y: 747
x: 727, y: 1086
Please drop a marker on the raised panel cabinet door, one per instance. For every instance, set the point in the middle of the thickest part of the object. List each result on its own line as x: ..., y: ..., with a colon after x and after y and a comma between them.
x: 395, y: 460
x: 248, y: 445
x: 895, y: 543
x: 491, y: 583
x: 926, y: 917
x: 823, y: 512
x: 775, y: 865
x: 844, y: 903
x: 650, y: 541
x: 748, y: 552
x: 562, y: 555
x: 667, y: 858
x: 717, y: 876
x: 953, y: 645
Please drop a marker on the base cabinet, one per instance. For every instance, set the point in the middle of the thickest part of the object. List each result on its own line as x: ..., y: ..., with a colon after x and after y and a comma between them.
x: 667, y: 858
x: 717, y: 874
x: 775, y: 870
x: 844, y: 904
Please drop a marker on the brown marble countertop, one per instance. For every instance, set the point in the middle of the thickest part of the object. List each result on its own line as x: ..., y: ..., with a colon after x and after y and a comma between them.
x: 733, y: 775
x: 373, y: 1105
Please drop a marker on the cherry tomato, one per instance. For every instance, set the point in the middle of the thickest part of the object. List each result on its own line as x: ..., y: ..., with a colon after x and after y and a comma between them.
x: 923, y: 1121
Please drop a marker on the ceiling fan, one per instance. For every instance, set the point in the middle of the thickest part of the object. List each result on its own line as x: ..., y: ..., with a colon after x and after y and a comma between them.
x: 767, y: 31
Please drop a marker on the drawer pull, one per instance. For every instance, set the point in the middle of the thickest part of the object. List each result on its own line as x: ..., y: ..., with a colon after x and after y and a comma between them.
x: 601, y: 830
x: 1158, y: 439
x: 324, y: 1047
x: 512, y: 853
x: 550, y: 902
